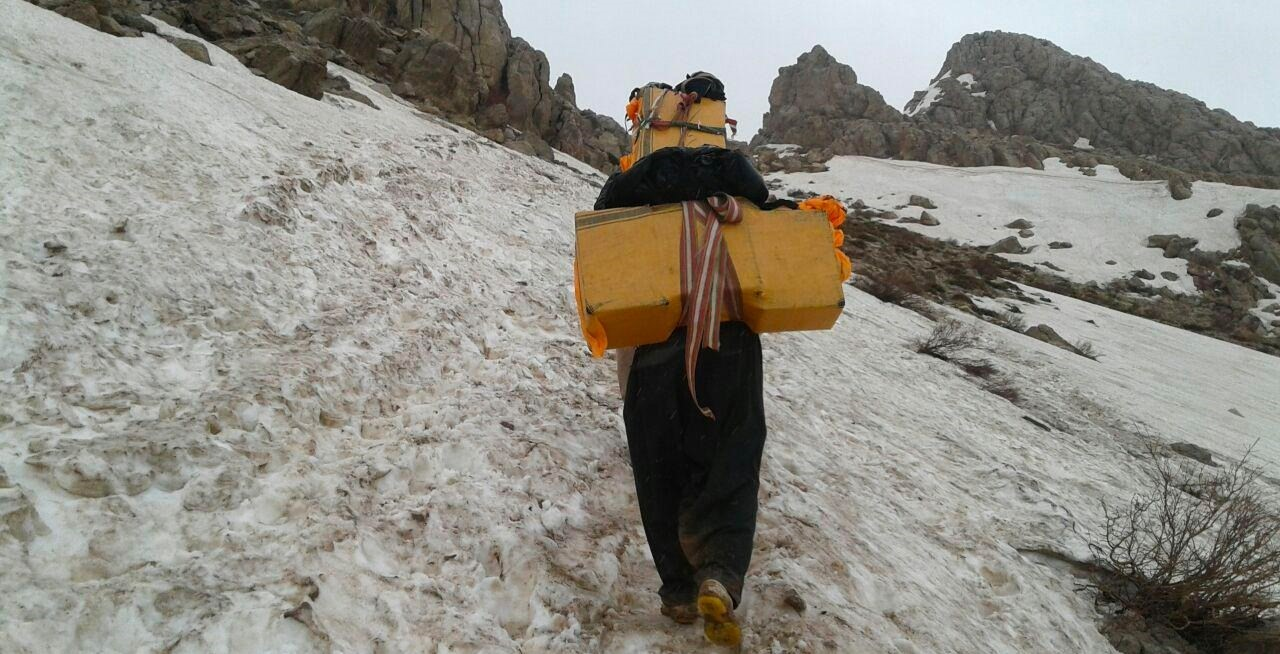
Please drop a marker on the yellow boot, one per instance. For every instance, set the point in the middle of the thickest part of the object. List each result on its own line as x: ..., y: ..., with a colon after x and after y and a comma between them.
x: 716, y: 608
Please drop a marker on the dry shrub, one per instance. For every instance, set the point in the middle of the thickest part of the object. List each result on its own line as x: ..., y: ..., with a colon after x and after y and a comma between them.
x: 987, y: 266
x: 980, y: 368
x: 921, y: 306
x: 1011, y: 321
x: 1000, y: 385
x: 1195, y: 550
x: 948, y: 340
x: 898, y: 287
x: 893, y: 286
x: 1086, y: 349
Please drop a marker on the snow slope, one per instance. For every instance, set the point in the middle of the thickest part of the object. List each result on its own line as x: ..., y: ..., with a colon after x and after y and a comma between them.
x: 1105, y: 218
x: 282, y: 375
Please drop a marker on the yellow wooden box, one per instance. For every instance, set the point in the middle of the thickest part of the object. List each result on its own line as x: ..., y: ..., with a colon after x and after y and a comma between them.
x: 627, y: 272
x: 706, y: 113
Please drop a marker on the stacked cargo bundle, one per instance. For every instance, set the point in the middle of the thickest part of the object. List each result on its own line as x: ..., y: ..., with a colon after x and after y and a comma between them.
x: 688, y: 235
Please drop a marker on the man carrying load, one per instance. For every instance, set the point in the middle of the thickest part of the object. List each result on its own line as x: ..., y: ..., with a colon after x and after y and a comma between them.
x: 690, y: 286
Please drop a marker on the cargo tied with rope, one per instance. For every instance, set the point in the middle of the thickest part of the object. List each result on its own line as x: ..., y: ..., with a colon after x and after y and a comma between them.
x: 688, y: 115
x: 634, y: 273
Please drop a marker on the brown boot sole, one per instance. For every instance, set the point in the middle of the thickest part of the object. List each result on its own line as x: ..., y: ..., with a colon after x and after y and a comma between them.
x: 681, y: 613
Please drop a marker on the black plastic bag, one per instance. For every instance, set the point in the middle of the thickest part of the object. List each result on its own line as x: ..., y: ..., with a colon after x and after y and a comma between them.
x: 679, y: 174
x: 704, y: 84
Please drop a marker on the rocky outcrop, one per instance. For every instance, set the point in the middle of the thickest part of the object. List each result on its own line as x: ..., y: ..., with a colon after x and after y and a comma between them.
x: 818, y: 103
x: 1174, y: 246
x: 295, y: 66
x: 819, y: 85
x: 1015, y: 84
x: 453, y: 58
x: 1259, y: 230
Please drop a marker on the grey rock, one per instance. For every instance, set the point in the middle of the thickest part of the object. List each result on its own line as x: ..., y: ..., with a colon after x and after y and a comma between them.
x: 1235, y: 411
x: 1174, y: 246
x: 1264, y: 639
x: 82, y: 12
x: 221, y: 19
x: 339, y: 86
x: 530, y: 101
x: 1213, y: 213
x: 922, y: 202
x: 1169, y: 275
x: 1179, y: 187
x: 358, y: 36
x: 133, y: 20
x: 1021, y: 223
x: 564, y: 88
x: 1059, y: 245
x: 1143, y: 274
x: 531, y: 145
x: 927, y: 219
x: 1008, y: 245
x: 1049, y: 335
x: 1026, y: 233
x: 792, y: 599
x: 1193, y: 451
x: 109, y: 25
x: 1130, y: 635
x: 1259, y: 230
x: 297, y: 67
x: 430, y: 69
x: 1111, y: 262
x: 191, y: 48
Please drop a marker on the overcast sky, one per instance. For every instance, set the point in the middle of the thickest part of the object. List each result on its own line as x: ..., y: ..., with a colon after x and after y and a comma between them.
x: 1226, y: 53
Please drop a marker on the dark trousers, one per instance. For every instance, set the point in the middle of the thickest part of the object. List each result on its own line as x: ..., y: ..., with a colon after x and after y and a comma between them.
x: 697, y: 478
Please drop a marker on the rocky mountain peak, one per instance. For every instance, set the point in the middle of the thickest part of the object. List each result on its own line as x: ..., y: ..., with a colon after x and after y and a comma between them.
x: 808, y: 95
x: 1016, y: 84
x: 564, y: 87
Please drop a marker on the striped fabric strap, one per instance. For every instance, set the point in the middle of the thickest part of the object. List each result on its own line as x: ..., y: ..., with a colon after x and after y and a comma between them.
x: 708, y: 280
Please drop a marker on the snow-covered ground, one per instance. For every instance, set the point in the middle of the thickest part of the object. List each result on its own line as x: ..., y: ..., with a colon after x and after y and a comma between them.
x: 282, y: 375
x: 1104, y: 218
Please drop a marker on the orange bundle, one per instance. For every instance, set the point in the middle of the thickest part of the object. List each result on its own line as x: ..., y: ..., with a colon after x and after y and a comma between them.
x: 835, y: 215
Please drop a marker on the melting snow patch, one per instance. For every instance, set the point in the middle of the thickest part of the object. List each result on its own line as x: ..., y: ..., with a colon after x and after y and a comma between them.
x: 979, y: 94
x: 966, y: 79
x: 781, y: 148
x: 1082, y: 143
x: 931, y: 95
x: 1105, y: 218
